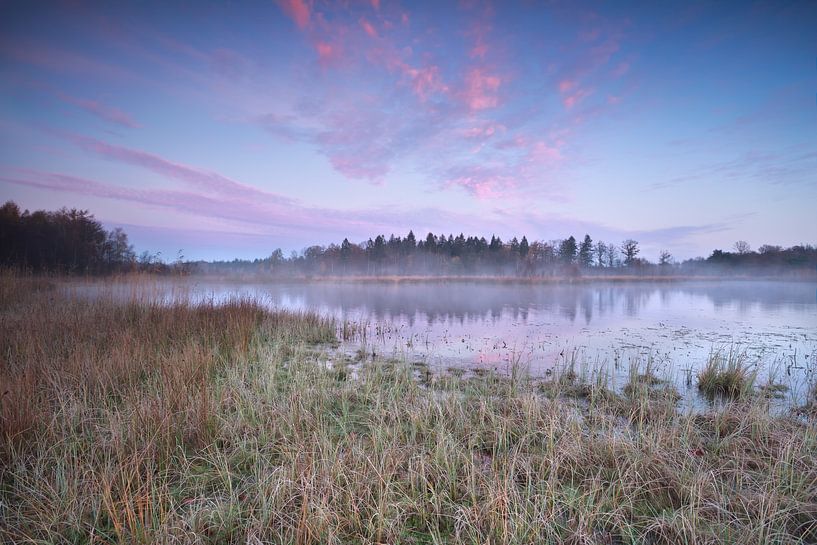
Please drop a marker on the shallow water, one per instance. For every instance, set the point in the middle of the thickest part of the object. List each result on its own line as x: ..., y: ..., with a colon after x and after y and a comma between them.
x: 676, y: 326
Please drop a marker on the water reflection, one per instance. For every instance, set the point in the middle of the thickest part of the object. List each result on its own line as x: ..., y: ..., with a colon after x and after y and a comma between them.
x: 442, y: 302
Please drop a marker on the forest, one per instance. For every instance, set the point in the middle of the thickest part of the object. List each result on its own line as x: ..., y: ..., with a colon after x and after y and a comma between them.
x: 74, y: 242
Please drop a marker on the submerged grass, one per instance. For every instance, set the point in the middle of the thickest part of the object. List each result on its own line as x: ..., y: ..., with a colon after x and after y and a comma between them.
x: 146, y: 423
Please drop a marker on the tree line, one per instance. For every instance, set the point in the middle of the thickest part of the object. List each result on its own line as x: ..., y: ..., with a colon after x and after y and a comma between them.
x: 74, y: 242
x: 461, y: 255
x: 67, y: 241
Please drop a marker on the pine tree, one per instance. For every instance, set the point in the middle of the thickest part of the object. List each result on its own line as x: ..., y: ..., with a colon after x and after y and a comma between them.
x: 567, y: 250
x: 586, y: 252
x: 524, y: 247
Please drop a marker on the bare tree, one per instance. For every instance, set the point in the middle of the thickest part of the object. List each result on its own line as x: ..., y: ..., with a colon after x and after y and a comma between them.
x: 612, y: 258
x: 601, y: 252
x: 770, y: 249
x: 664, y: 258
x: 742, y: 247
x: 630, y: 249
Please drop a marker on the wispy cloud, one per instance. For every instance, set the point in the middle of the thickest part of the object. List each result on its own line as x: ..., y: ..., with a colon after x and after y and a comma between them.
x: 195, y: 177
x: 101, y: 110
x: 792, y: 165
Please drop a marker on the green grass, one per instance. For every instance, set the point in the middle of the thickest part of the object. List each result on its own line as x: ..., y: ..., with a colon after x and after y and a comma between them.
x: 127, y: 422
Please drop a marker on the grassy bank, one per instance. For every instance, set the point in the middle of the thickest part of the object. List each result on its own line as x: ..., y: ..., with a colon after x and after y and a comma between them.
x: 130, y: 421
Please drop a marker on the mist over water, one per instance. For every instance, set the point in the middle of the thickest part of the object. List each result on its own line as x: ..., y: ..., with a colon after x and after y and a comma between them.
x: 675, y: 325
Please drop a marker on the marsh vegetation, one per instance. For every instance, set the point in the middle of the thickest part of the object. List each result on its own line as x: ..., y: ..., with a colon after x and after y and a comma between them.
x: 227, y: 422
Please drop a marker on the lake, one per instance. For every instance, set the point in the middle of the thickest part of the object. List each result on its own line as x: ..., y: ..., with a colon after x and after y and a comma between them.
x: 674, y: 325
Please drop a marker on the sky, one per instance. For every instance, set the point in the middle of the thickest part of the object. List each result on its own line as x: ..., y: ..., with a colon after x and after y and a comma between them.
x: 229, y: 129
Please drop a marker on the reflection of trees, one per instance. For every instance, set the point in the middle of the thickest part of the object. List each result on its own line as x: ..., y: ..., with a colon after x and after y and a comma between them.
x: 634, y: 299
x: 460, y: 302
x: 484, y: 303
x: 745, y: 295
x: 586, y: 303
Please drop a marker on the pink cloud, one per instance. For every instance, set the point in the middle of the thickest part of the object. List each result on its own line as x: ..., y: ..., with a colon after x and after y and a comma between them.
x: 357, y: 144
x: 425, y: 81
x: 481, y: 89
x: 297, y: 10
x: 368, y: 28
x: 575, y: 97
x: 327, y: 53
x: 482, y: 182
x: 484, y: 131
x: 578, y: 77
x: 330, y: 40
x: 542, y: 151
x: 479, y: 31
x: 572, y: 93
x: 376, y: 4
x: 425, y: 78
x: 566, y: 85
x: 517, y: 162
x: 354, y: 166
x: 479, y: 50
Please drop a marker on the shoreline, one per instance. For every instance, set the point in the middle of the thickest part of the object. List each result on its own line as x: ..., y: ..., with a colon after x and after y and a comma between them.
x: 445, y: 279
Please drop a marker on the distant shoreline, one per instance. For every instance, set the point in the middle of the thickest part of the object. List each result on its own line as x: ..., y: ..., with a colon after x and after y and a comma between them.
x: 536, y: 280
x: 417, y: 279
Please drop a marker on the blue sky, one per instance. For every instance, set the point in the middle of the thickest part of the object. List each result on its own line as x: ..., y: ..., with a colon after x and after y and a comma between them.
x: 229, y: 130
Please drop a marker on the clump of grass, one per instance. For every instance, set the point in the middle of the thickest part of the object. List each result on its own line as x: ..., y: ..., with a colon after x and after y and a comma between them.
x: 645, y: 397
x: 773, y: 390
x: 727, y: 376
x: 809, y: 407
x: 642, y: 380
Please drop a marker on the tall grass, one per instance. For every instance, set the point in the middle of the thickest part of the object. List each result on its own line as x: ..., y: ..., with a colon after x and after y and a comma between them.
x: 149, y: 423
x: 727, y: 375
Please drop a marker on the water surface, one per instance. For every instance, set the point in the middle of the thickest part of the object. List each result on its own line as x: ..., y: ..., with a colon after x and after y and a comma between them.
x: 676, y: 326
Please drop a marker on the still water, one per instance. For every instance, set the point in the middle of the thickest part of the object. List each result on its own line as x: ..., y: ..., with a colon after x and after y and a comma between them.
x: 460, y: 324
